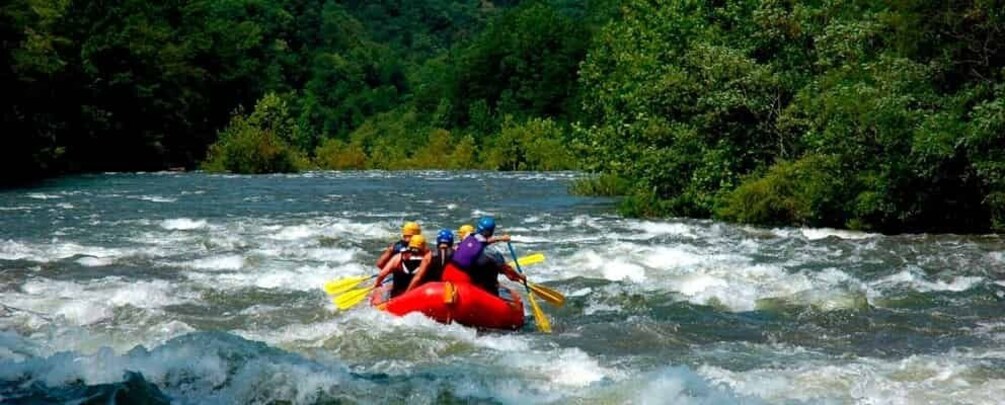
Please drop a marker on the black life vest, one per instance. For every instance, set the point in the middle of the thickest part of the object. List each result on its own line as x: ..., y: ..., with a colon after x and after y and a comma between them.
x: 440, y: 259
x: 404, y: 274
x: 485, y: 273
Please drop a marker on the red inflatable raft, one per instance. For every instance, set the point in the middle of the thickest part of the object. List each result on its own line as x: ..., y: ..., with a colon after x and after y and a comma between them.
x: 449, y: 302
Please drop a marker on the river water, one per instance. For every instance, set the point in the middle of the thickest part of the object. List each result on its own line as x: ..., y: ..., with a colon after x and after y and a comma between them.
x: 200, y: 288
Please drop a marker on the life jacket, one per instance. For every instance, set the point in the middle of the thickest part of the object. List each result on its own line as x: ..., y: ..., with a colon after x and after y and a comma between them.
x: 485, y: 273
x: 469, y: 250
x: 403, y: 275
x: 482, y: 272
x: 440, y: 259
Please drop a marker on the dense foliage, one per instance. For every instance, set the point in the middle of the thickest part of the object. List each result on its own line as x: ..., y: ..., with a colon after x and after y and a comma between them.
x: 873, y: 115
x: 137, y: 85
x: 862, y: 114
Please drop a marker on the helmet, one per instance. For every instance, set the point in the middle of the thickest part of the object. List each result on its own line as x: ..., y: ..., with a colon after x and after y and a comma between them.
x: 465, y: 230
x: 411, y: 229
x: 445, y: 236
x: 417, y: 241
x: 486, y: 225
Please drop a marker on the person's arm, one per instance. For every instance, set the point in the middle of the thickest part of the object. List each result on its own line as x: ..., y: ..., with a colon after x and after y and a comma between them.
x: 387, y: 270
x: 512, y: 274
x: 421, y: 272
x: 501, y: 238
x: 384, y: 257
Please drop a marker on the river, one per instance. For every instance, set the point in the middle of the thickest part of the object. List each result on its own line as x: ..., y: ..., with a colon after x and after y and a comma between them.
x: 199, y: 288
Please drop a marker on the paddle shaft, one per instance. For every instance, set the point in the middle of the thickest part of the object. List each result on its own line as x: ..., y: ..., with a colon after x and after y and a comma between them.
x: 542, y: 320
x: 516, y: 261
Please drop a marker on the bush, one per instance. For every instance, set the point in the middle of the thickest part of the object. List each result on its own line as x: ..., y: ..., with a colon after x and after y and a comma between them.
x: 334, y: 154
x: 535, y: 144
x: 802, y: 192
x: 606, y: 185
x: 258, y: 143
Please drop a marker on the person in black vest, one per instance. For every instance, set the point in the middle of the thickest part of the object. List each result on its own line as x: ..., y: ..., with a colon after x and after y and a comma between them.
x: 407, y: 268
x: 441, y: 256
x: 409, y: 230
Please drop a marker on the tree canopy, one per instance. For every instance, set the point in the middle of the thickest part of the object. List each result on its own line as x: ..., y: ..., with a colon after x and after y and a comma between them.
x: 886, y: 116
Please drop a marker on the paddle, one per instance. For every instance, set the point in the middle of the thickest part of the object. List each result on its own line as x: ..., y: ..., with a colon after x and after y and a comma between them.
x: 349, y: 298
x: 542, y: 321
x: 554, y: 297
x: 354, y: 297
x: 340, y: 286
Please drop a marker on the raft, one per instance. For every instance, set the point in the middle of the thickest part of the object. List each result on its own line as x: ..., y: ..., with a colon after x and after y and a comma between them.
x: 463, y: 303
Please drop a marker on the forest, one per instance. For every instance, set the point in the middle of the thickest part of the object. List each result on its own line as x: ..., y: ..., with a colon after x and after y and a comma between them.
x: 880, y: 116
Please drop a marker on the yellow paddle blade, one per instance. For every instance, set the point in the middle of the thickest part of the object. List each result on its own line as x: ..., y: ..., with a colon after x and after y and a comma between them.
x: 342, y: 285
x: 351, y: 298
x: 543, y: 324
x: 529, y: 259
x: 554, y: 297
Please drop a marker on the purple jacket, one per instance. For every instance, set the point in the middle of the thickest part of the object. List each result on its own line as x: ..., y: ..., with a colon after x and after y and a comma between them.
x: 469, y: 250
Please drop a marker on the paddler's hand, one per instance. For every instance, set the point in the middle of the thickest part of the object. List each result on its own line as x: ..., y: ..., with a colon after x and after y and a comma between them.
x: 504, y: 238
x: 514, y: 276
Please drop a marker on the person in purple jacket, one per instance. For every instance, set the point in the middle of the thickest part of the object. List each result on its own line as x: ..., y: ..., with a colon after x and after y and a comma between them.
x: 470, y: 256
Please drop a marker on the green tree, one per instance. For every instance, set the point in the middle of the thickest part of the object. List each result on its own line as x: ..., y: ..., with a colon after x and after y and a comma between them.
x: 255, y: 144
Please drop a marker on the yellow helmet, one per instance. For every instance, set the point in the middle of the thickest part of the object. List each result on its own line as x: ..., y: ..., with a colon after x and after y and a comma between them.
x: 418, y: 242
x: 411, y: 229
x: 465, y: 230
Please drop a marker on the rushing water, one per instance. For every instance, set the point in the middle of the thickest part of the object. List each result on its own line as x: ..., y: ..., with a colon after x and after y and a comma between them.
x: 198, y: 288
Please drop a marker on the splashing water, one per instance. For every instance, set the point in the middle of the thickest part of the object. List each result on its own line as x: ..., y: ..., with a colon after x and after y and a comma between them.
x: 196, y: 288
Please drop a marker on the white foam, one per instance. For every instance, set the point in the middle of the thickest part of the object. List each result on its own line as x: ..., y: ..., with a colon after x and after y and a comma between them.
x: 662, y: 257
x: 994, y: 330
x: 356, y: 230
x: 653, y: 229
x: 92, y: 302
x: 302, y: 278
x: 182, y: 224
x: 914, y: 279
x: 91, y: 261
x: 916, y: 379
x: 677, y: 385
x: 294, y: 233
x: 224, y: 262
x: 19, y: 208
x: 198, y: 371
x: 14, y: 250
x: 476, y: 213
x: 822, y: 233
x: 65, y: 206
x: 594, y: 308
x: 55, y: 250
x: 155, y: 198
x: 997, y: 256
x: 43, y: 196
x: 618, y: 270
x: 568, y: 367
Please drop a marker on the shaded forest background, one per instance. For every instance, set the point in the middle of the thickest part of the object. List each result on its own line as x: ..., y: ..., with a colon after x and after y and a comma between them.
x: 885, y: 116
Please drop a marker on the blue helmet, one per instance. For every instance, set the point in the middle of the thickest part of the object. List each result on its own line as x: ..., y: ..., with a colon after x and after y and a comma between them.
x: 445, y: 236
x: 486, y: 226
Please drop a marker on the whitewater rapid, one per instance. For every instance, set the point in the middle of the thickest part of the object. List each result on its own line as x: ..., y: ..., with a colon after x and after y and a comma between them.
x: 208, y: 287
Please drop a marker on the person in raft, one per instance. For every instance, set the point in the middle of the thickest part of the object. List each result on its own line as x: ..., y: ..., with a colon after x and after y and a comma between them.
x: 408, y: 230
x: 464, y: 231
x: 408, y: 268
x: 441, y: 256
x: 482, y: 267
